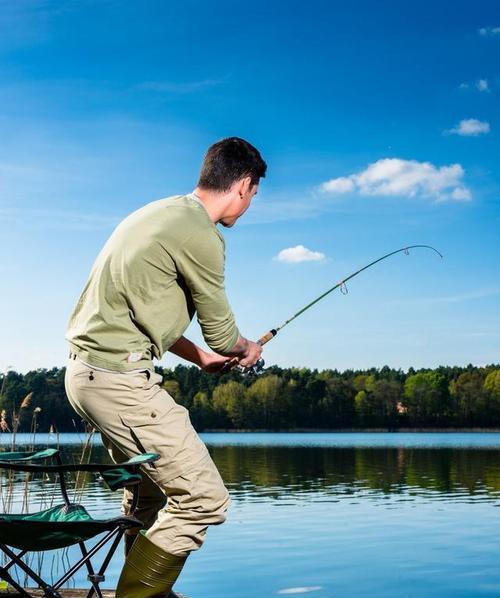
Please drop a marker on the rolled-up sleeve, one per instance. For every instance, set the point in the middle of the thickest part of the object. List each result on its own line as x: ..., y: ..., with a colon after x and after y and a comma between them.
x: 200, y: 261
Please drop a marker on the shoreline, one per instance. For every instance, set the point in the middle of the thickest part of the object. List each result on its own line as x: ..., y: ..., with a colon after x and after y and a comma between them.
x: 352, y: 431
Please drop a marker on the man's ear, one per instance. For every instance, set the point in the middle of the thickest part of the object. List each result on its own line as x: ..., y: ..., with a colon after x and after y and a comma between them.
x: 243, y: 185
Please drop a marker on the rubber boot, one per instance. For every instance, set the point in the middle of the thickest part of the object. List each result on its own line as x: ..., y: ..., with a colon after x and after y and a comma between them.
x: 149, y: 571
x: 128, y: 540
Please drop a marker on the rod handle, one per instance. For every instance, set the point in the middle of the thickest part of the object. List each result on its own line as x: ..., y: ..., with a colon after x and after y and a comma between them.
x: 265, y: 338
x: 234, y: 361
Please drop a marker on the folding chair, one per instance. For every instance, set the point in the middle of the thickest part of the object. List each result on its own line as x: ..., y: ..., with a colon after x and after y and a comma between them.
x: 68, y: 523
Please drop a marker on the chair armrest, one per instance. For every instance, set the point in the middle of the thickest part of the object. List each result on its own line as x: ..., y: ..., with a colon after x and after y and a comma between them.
x: 132, y: 465
x: 7, y: 459
x: 120, y: 478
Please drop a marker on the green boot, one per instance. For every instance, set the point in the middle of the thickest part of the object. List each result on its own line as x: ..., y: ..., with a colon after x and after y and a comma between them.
x: 128, y: 540
x: 149, y: 572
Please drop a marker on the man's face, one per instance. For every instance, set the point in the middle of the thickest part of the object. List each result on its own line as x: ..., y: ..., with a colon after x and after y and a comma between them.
x: 239, y: 205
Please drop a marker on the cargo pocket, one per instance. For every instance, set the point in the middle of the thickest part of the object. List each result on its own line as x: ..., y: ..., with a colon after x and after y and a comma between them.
x: 161, y: 426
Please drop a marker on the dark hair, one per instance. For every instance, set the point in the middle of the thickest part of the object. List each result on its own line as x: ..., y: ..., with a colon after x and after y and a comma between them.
x: 228, y: 161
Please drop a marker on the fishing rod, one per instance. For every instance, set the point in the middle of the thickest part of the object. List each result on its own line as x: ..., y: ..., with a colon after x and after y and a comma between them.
x: 265, y: 338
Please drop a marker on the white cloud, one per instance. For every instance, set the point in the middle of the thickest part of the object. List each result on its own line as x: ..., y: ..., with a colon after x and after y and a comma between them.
x: 342, y: 184
x: 479, y: 85
x: 469, y: 127
x: 482, y: 85
x: 489, y: 31
x: 407, y: 178
x: 294, y: 255
x: 302, y: 590
x: 460, y: 194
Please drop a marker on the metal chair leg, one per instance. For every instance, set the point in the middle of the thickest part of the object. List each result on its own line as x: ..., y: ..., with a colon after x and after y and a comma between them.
x: 105, y: 563
x: 7, y: 577
x: 48, y: 589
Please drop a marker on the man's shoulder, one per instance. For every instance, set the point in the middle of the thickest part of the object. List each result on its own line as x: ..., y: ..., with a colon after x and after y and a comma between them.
x: 160, y: 205
x: 171, y: 207
x: 177, y: 219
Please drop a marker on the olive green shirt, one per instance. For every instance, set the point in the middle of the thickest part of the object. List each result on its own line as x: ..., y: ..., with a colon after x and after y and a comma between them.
x: 162, y: 264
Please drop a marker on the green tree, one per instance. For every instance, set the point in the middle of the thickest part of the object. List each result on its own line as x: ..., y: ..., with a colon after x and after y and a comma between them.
x: 285, y: 398
x: 469, y: 397
x: 427, y: 398
x: 492, y: 390
x: 336, y: 408
x: 385, y: 395
x: 201, y: 411
x: 492, y: 384
x: 362, y: 407
x: 266, y: 401
x: 229, y: 402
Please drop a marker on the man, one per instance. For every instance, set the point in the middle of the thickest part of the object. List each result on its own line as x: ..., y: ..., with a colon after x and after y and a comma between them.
x: 161, y: 265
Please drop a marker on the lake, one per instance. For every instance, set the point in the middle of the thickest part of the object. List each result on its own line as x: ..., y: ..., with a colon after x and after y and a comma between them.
x: 335, y: 515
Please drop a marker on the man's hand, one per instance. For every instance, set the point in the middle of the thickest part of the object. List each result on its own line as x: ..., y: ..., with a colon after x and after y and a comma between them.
x: 212, y: 363
x: 252, y: 355
x: 247, y: 352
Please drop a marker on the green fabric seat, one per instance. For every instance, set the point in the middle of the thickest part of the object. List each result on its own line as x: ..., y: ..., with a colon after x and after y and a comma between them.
x: 57, y: 527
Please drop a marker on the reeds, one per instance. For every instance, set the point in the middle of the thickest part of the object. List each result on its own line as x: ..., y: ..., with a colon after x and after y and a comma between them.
x: 11, y: 499
x: 7, y: 490
x: 9, y: 479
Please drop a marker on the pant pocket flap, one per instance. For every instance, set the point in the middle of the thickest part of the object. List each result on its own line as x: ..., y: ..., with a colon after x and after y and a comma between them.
x: 162, y: 426
x: 148, y: 413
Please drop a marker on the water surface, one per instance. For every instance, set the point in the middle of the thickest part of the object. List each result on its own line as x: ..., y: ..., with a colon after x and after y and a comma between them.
x: 330, y: 515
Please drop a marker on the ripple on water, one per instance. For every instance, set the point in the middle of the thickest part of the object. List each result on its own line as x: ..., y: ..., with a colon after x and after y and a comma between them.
x: 303, y: 590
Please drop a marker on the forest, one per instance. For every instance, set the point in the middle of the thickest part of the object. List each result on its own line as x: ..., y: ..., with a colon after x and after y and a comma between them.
x: 283, y: 399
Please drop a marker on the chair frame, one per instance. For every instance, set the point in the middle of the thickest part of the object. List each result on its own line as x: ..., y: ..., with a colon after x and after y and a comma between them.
x: 114, y: 535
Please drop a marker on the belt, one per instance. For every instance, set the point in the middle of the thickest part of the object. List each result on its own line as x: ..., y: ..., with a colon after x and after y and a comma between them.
x: 74, y: 356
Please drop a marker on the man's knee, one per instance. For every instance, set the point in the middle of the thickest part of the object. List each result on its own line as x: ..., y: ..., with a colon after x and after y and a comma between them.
x: 220, y: 505
x: 203, y: 498
x: 147, y: 508
x: 214, y: 494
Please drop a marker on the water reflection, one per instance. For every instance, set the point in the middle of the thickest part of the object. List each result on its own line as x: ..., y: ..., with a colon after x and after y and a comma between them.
x: 305, y: 473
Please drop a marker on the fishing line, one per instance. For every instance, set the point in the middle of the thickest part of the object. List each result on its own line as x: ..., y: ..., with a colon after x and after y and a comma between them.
x: 265, y: 338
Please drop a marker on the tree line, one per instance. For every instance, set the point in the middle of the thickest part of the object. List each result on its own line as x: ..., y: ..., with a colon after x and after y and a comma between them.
x: 283, y: 399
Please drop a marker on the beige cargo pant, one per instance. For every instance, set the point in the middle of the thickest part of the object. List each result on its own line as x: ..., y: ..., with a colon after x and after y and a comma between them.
x: 182, y: 493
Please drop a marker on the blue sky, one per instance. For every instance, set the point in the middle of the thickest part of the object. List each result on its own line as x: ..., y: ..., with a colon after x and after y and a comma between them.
x: 379, y: 122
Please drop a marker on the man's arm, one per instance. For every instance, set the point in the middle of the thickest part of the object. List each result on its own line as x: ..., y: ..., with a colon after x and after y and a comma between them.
x: 247, y: 352
x: 210, y: 362
x: 201, y: 262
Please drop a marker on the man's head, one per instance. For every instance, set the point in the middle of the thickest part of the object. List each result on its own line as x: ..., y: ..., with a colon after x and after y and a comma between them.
x: 232, y: 169
x: 229, y: 161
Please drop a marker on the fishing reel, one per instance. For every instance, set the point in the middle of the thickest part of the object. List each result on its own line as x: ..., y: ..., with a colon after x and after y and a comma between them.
x: 253, y: 370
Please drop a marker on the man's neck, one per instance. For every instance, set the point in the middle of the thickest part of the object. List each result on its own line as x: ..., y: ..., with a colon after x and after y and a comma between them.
x: 214, y: 203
